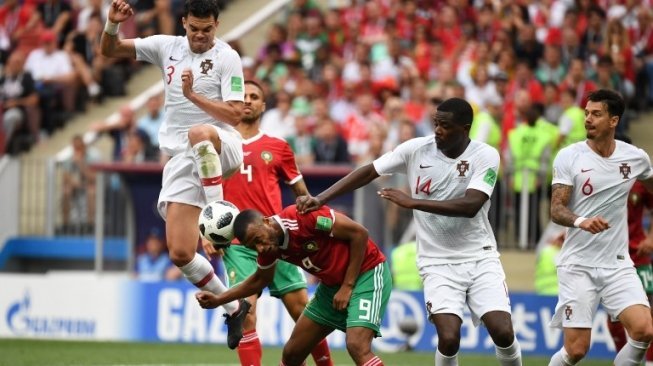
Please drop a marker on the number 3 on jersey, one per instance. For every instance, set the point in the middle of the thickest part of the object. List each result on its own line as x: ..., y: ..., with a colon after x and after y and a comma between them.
x: 247, y: 171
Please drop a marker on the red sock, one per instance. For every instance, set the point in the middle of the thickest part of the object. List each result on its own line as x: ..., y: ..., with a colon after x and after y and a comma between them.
x: 321, y: 354
x: 249, y: 349
x: 649, y: 353
x: 618, y: 334
x: 375, y: 361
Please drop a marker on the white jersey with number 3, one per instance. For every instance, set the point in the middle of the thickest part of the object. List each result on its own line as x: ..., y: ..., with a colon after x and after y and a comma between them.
x: 600, y: 188
x: 434, y: 176
x: 218, y: 75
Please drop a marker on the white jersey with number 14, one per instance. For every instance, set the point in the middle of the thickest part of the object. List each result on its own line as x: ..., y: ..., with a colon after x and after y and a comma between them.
x: 434, y: 176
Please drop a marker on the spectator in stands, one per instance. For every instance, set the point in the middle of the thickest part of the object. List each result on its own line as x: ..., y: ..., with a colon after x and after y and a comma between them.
x: 56, y: 15
x: 571, y: 124
x: 151, y: 121
x: 18, y: 23
x: 19, y: 102
x: 137, y: 148
x: 303, y: 142
x: 53, y: 72
x: 330, y: 147
x: 551, y: 68
x: 84, y: 51
x: 154, y: 264
x: 154, y: 17
x: 92, y: 8
x: 78, y: 201
x: 118, y: 130
x: 279, y: 121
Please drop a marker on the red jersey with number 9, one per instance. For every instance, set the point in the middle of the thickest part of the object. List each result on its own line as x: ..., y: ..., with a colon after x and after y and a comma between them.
x: 308, y: 243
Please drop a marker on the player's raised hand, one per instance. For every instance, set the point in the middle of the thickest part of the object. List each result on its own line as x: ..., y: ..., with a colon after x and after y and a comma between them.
x: 207, y: 300
x: 119, y: 11
x: 397, y: 196
x: 187, y: 82
x: 594, y: 225
x: 306, y: 204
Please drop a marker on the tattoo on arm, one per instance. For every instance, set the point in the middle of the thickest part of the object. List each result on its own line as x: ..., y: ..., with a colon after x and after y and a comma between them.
x: 560, y: 213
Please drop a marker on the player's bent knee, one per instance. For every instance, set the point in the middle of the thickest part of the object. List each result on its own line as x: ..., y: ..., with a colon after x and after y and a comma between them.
x: 180, y: 257
x: 577, y: 351
x: 641, y: 333
x: 358, y: 349
x: 291, y: 356
x: 504, y: 336
x: 200, y: 133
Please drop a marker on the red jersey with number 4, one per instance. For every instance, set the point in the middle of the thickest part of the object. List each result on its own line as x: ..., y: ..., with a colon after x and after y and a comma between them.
x: 308, y: 243
x: 266, y: 161
x: 638, y: 199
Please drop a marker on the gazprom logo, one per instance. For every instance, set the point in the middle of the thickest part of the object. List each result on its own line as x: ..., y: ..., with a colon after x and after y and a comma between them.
x: 22, y: 322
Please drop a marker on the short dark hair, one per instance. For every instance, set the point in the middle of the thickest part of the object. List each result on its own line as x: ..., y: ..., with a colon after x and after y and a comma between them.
x: 252, y: 82
x: 202, y: 8
x: 613, y: 100
x: 462, y: 111
x: 243, y: 220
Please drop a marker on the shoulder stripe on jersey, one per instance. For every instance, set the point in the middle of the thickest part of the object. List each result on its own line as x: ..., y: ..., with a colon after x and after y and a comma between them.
x: 295, y: 180
x: 333, y: 217
x: 269, y: 265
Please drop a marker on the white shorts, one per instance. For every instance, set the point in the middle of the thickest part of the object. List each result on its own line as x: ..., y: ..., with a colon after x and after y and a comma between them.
x: 582, y: 288
x: 481, y: 285
x: 181, y: 181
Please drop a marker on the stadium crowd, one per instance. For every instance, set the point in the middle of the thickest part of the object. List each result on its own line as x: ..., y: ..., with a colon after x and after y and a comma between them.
x: 348, y: 82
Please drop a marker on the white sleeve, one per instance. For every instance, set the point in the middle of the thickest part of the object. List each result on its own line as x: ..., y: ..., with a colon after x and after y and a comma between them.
x: 395, y: 161
x: 231, y: 78
x: 485, y: 171
x: 149, y: 49
x: 562, y: 168
x: 648, y: 171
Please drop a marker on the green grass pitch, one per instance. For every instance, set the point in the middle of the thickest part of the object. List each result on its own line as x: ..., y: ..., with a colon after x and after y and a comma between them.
x: 63, y: 353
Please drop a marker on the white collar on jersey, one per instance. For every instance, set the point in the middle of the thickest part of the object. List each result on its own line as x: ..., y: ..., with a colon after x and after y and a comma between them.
x: 285, y: 231
x: 253, y: 138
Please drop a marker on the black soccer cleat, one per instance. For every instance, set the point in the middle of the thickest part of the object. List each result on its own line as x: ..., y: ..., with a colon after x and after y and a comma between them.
x: 235, y: 323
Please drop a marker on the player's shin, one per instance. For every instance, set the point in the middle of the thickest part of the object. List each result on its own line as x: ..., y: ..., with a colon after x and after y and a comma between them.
x: 632, y: 354
x: 509, y: 356
x: 200, y: 273
x: 209, y: 169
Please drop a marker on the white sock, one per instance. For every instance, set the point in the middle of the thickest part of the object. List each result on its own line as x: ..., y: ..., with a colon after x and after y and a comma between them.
x: 632, y: 354
x: 209, y: 169
x: 561, y: 358
x: 200, y: 273
x: 509, y: 356
x: 442, y: 360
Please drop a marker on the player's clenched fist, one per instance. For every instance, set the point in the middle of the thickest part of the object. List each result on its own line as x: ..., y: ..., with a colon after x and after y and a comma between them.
x: 187, y: 82
x: 119, y: 11
x: 207, y: 300
x: 594, y: 225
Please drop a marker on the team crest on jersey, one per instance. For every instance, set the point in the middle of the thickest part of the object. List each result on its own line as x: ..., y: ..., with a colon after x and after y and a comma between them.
x: 206, y: 66
x: 568, y: 312
x: 634, y: 199
x: 624, y: 169
x: 266, y: 156
x: 232, y: 276
x: 462, y: 168
x: 310, y: 247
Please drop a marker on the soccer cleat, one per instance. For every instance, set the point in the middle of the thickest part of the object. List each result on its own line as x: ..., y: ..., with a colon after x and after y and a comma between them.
x: 235, y: 323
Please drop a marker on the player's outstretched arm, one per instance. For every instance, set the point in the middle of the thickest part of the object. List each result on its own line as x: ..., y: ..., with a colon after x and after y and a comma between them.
x: 356, y: 235
x: 352, y: 181
x: 252, y: 285
x: 465, y: 206
x: 110, y: 44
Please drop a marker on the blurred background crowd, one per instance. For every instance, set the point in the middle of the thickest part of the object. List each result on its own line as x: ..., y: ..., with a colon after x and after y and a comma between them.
x: 349, y: 81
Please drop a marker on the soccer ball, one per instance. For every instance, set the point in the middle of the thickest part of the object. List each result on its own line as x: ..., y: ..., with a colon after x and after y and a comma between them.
x: 217, y: 222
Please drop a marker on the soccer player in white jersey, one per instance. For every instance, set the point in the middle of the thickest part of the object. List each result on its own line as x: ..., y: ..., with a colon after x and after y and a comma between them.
x: 451, y: 179
x: 204, y: 90
x: 591, y: 181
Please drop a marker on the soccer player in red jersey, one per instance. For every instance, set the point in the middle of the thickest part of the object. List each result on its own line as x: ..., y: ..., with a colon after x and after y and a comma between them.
x: 355, y: 280
x: 640, y: 247
x: 267, y: 160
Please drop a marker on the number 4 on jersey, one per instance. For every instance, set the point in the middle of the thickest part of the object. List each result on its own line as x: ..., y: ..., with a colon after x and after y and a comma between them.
x: 425, y: 187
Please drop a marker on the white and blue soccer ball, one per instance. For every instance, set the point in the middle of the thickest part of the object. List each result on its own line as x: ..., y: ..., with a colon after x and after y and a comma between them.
x: 216, y: 222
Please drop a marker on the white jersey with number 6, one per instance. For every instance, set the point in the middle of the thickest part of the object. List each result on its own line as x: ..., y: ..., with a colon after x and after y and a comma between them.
x: 434, y: 176
x: 218, y: 75
x: 600, y: 188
